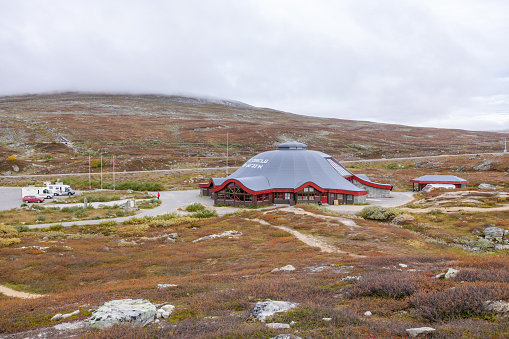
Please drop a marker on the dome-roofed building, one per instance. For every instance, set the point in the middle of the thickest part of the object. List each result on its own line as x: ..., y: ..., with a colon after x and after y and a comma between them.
x: 291, y: 175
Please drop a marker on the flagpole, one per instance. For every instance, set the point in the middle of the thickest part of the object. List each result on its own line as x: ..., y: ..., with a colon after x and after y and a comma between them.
x: 89, y: 182
x: 226, y: 153
x: 113, y: 172
x: 101, y: 172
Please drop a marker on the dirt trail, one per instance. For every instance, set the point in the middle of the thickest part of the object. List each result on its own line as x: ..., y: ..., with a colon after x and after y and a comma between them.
x: 16, y: 294
x: 344, y: 221
x: 309, y: 239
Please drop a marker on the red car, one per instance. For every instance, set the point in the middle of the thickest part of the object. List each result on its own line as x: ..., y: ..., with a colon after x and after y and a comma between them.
x: 32, y: 198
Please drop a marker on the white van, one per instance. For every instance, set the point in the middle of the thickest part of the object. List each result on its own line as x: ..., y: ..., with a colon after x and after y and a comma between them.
x: 59, y: 188
x: 40, y: 192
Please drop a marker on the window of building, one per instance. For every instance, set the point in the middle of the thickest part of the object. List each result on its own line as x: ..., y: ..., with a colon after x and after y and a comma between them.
x: 288, y: 196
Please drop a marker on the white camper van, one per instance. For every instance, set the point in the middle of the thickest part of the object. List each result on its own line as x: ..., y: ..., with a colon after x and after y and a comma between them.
x: 40, y: 192
x: 59, y: 188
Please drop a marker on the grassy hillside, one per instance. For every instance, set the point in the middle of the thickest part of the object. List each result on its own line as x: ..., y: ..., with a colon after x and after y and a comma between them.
x: 149, y: 132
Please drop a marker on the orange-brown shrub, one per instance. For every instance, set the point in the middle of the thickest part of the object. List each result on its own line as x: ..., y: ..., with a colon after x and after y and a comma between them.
x: 458, y: 302
x: 392, y: 284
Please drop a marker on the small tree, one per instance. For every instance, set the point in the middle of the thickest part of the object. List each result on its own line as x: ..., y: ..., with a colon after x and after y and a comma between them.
x: 11, y: 158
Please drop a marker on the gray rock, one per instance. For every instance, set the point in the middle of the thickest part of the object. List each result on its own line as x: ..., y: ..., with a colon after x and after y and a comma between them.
x: 284, y: 268
x: 486, y: 187
x: 502, y: 247
x: 402, y: 219
x: 15, y: 168
x: 451, y: 273
x: 277, y: 325
x: 264, y: 309
x: 137, y: 311
x: 64, y: 316
x: 368, y: 313
x: 494, y: 233
x: 414, y: 332
x: 496, y: 306
x: 165, y: 311
x: 57, y: 316
x: 352, y: 278
x: 286, y: 336
x: 166, y: 285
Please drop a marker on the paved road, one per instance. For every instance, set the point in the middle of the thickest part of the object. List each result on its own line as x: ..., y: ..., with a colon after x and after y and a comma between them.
x: 234, y: 168
x: 173, y: 200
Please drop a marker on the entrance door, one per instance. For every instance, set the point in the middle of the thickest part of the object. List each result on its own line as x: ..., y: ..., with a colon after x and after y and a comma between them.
x: 324, y: 199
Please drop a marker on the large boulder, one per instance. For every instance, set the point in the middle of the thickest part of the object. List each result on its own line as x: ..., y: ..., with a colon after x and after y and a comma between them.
x: 136, y: 311
x: 414, y: 332
x: 494, y: 234
x: 264, y: 309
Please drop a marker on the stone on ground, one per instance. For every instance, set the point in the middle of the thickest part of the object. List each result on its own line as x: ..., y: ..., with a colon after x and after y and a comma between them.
x: 136, y: 311
x: 451, y: 273
x: 264, y: 309
x: 277, y: 325
x: 286, y: 336
x: 414, y: 332
x: 165, y: 311
x: 496, y: 306
x: 494, y: 233
x: 486, y: 187
x: 284, y: 268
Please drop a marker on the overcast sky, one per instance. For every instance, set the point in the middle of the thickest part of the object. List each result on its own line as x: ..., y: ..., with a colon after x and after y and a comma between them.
x: 424, y: 63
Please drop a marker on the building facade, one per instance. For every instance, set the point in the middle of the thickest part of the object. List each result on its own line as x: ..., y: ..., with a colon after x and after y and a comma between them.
x: 290, y: 175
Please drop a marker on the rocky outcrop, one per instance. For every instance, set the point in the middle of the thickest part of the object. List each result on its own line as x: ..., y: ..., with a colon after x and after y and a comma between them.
x: 484, y: 166
x: 264, y: 309
x: 135, y: 311
x: 495, y: 234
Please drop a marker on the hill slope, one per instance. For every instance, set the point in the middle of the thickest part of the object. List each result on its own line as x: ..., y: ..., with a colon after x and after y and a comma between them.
x: 162, y: 132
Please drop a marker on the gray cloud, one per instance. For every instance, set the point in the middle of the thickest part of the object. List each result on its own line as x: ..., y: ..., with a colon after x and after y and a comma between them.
x: 429, y: 63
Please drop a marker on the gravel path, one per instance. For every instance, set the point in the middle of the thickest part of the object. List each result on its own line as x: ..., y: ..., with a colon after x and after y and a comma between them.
x: 16, y: 294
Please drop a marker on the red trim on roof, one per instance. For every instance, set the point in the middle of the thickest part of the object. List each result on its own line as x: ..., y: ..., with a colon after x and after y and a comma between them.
x: 287, y: 190
x: 205, y: 185
x: 372, y: 184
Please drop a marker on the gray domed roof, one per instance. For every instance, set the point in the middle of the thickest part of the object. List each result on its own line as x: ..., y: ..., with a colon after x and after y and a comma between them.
x: 290, y: 167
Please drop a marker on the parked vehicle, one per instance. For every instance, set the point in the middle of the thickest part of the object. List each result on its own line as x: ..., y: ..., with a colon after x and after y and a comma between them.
x: 59, y: 188
x: 40, y: 192
x: 32, y: 198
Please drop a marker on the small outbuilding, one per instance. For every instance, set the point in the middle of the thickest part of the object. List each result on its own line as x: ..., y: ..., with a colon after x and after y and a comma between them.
x: 292, y: 175
x: 438, y: 180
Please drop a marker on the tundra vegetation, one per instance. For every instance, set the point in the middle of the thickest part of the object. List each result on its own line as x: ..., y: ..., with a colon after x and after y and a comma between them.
x: 388, y: 269
x: 388, y: 262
